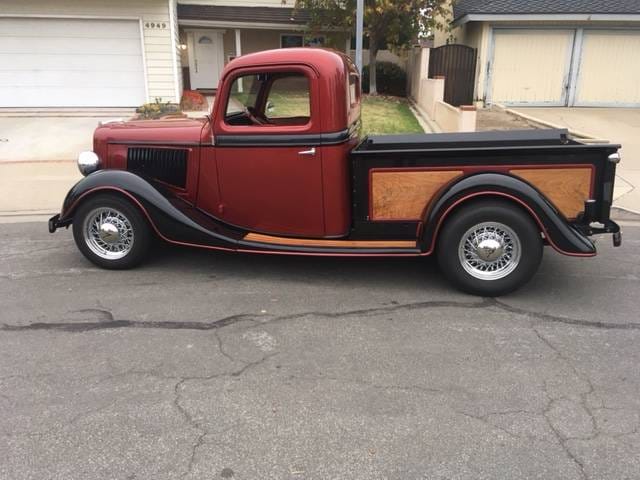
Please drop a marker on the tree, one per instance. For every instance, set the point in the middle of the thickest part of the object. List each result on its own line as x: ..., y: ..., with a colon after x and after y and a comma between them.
x: 393, y: 23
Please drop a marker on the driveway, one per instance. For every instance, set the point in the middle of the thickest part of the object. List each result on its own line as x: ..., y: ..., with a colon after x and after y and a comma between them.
x: 618, y: 125
x: 41, y: 137
x: 203, y: 365
x: 37, y: 158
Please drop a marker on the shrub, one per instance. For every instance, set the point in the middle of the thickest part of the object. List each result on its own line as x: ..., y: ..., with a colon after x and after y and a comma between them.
x: 391, y: 79
x: 193, y: 101
x: 157, y: 109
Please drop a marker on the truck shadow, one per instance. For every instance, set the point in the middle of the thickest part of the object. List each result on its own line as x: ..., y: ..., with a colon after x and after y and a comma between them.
x: 419, y: 274
x: 364, y: 272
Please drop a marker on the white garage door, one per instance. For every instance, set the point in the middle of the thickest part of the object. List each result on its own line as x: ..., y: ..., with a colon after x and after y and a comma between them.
x: 609, y: 69
x: 530, y: 67
x: 70, y: 63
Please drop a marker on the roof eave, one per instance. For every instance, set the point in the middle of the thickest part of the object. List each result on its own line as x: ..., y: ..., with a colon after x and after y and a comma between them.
x: 529, y: 17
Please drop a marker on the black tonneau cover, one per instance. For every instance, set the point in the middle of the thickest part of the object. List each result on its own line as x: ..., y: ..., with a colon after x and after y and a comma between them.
x: 428, y: 141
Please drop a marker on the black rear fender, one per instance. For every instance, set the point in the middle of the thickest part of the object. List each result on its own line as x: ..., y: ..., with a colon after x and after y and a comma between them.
x: 560, y: 234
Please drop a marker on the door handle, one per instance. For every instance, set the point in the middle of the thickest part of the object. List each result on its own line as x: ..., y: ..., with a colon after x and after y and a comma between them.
x: 311, y: 151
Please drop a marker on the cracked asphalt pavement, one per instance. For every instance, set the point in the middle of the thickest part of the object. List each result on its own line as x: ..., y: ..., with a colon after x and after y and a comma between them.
x: 204, y: 365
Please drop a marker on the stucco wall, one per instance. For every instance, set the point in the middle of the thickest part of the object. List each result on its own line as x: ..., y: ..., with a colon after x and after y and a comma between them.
x: 159, y: 58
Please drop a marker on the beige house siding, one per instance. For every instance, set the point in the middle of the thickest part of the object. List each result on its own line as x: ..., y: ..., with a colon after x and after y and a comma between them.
x: 176, y: 51
x: 159, y: 59
x: 477, y: 36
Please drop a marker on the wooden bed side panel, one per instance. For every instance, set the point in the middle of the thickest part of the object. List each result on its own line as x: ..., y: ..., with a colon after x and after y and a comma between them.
x: 403, y: 195
x: 567, y: 188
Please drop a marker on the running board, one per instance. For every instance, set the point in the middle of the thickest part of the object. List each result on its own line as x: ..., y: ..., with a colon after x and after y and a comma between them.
x: 324, y: 243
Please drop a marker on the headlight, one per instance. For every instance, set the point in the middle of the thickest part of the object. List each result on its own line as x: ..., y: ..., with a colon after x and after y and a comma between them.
x: 88, y: 162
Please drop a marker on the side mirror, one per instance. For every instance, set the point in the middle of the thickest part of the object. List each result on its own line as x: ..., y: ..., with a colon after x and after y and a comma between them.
x: 270, y: 106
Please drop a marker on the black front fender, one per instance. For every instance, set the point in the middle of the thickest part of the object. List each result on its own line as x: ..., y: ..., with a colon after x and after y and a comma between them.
x: 172, y: 218
x: 560, y: 234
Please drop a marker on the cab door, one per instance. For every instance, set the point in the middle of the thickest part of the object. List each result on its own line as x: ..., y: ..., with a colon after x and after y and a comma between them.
x: 267, y: 152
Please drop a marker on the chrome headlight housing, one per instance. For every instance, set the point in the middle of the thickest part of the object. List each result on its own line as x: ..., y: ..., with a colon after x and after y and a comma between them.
x: 88, y: 162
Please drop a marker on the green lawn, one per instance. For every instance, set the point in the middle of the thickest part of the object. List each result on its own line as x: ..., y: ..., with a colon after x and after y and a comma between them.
x: 387, y: 115
x: 380, y: 114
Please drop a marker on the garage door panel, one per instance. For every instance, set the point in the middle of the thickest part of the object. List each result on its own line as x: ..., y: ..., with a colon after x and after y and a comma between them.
x: 530, y: 67
x: 69, y: 46
x: 609, y: 69
x: 56, y: 79
x: 94, y: 63
x: 68, y: 27
x: 48, y: 62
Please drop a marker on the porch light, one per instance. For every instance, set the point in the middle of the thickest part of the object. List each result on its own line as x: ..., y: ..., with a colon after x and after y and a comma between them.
x: 183, y: 46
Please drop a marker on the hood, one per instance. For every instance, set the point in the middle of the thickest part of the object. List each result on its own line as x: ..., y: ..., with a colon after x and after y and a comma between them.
x: 170, y: 131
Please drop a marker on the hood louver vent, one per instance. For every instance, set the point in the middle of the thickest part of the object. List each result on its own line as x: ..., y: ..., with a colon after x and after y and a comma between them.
x: 164, y: 164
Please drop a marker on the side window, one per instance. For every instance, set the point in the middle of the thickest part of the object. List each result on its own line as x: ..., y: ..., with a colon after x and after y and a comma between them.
x: 289, y: 100
x: 269, y: 99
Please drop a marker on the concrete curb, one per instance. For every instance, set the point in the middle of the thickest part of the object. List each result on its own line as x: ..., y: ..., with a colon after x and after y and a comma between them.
x: 428, y: 125
x: 584, y: 136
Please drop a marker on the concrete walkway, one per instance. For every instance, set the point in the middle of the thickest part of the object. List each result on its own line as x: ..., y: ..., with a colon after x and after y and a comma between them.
x: 618, y: 125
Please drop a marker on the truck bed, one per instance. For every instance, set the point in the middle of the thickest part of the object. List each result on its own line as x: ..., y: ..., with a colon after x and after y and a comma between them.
x: 396, y: 177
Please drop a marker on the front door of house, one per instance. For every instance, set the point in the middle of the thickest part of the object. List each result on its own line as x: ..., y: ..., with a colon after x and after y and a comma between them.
x: 206, y: 58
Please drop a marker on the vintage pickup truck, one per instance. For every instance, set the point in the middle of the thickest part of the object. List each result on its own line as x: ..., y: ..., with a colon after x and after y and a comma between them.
x: 279, y: 167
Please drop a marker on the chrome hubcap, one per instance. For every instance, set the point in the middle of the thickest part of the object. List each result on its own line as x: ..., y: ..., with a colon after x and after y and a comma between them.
x: 108, y: 233
x: 489, y: 251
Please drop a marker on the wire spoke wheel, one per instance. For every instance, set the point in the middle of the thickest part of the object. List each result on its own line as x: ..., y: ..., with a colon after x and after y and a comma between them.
x: 108, y: 233
x: 489, y: 251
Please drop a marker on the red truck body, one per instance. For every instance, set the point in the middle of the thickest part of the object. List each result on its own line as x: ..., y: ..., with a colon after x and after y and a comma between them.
x: 280, y: 168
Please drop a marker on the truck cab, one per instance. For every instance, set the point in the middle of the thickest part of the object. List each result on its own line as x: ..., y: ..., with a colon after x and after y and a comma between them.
x: 279, y: 166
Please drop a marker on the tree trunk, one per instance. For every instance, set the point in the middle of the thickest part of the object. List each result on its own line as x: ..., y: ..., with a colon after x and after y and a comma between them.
x: 373, y: 53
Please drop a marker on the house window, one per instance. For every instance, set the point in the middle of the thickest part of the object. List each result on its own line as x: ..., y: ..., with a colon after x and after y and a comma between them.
x: 269, y: 99
x: 289, y: 41
x: 299, y: 40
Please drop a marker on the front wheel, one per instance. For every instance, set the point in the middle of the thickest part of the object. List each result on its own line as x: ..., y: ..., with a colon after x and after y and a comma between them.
x: 111, y: 232
x: 489, y: 248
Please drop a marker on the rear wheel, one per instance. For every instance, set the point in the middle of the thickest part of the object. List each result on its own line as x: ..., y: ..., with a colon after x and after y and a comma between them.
x: 489, y: 248
x: 111, y: 232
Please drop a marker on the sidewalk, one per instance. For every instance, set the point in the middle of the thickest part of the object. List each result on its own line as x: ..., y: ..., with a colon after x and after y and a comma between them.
x: 35, y: 188
x: 38, y: 160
